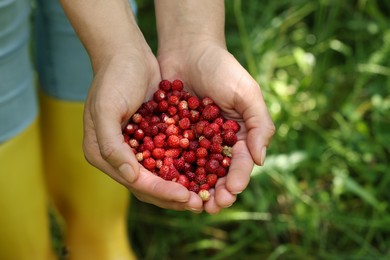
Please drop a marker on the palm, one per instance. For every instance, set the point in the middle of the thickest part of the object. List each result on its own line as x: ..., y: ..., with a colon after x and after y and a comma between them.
x: 212, y: 71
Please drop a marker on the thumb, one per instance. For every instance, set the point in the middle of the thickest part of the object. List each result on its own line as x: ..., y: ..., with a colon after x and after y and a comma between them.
x: 113, y: 149
x: 257, y: 121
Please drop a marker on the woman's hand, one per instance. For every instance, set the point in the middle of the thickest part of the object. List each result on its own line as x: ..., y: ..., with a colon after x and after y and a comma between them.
x: 208, y: 69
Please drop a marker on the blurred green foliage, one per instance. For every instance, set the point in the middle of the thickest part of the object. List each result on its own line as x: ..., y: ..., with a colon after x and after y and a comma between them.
x: 324, y: 70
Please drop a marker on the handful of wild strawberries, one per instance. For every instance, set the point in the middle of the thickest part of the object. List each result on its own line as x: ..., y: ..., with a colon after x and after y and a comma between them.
x: 181, y: 138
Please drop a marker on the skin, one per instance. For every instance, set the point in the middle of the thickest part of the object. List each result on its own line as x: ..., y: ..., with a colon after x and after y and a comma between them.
x: 126, y: 73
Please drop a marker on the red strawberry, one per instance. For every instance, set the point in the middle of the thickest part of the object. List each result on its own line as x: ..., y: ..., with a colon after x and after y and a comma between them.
x: 193, y: 102
x: 158, y: 153
x: 165, y: 85
x: 232, y: 125
x: 210, y: 112
x: 149, y: 163
x: 183, y: 180
x: 229, y: 137
x: 177, y: 85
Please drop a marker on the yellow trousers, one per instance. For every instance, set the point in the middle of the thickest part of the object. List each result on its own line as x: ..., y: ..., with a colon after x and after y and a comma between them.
x: 45, y: 165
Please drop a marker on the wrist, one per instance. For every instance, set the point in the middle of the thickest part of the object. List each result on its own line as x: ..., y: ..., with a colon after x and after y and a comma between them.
x: 184, y: 24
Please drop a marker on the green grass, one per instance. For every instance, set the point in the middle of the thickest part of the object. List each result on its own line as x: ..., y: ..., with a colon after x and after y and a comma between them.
x: 324, y: 69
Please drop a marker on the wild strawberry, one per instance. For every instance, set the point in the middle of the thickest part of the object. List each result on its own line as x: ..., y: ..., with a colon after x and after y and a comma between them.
x: 193, y: 102
x: 182, y: 105
x: 201, y: 162
x: 177, y: 85
x: 232, y: 125
x: 211, y: 166
x: 184, y: 123
x: 173, y: 100
x: 172, y: 110
x: 226, y: 162
x: 163, y: 106
x: 159, y: 95
x: 208, y: 132
x: 212, y: 179
x: 163, y: 172
x: 201, y: 152
x: 183, y: 180
x: 219, y: 121
x: 139, y: 157
x: 210, y: 112
x: 216, y: 156
x: 162, y: 127
x: 199, y: 126
x: 133, y: 143
x: 200, y: 171
x: 173, y: 141
x: 148, y: 143
x: 194, y: 116
x: 215, y: 148
x: 207, y: 101
x: 149, y: 163
x: 204, y: 142
x: 189, y: 156
x: 204, y: 186
x: 139, y: 134
x: 204, y: 195
x: 146, y: 154
x: 184, y: 143
x: 173, y: 152
x: 216, y: 128
x: 221, y: 172
x: 151, y: 106
x: 137, y: 118
x: 165, y: 85
x: 193, y: 186
x: 168, y: 160
x: 217, y: 139
x: 170, y: 121
x: 151, y: 130
x: 229, y: 137
x: 154, y: 120
x: 159, y: 163
x: 173, y: 174
x: 179, y: 164
x: 158, y: 153
x: 193, y: 145
x: 201, y: 179
x: 130, y: 129
x: 189, y: 134
x: 175, y: 93
x: 172, y: 130
x: 185, y: 95
x: 143, y: 124
x: 190, y: 175
x: 184, y: 113
x: 159, y: 140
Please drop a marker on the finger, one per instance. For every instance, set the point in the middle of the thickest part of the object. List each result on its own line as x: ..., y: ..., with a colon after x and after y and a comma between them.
x: 240, y: 169
x: 211, y: 206
x: 251, y: 105
x: 112, y: 147
x: 153, y: 188
x: 224, y: 198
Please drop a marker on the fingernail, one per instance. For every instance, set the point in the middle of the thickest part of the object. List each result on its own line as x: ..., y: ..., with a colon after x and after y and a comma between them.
x: 263, y: 154
x: 193, y: 210
x: 236, y: 192
x: 127, y: 172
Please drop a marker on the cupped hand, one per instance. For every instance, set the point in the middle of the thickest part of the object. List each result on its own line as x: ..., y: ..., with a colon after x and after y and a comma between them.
x: 208, y: 69
x: 121, y: 84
